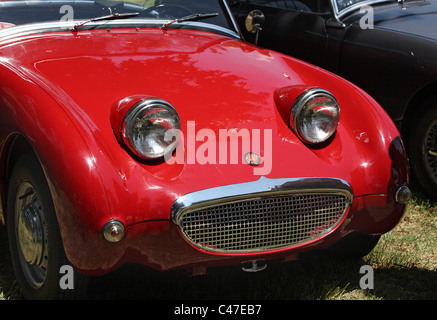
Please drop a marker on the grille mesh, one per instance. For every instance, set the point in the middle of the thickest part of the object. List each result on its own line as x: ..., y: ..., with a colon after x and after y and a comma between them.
x: 263, y: 224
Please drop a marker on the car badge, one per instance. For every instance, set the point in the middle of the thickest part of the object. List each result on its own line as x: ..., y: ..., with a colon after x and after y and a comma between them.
x: 252, y: 158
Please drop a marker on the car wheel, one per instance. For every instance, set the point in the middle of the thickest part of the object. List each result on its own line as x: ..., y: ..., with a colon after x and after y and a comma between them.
x: 422, y: 145
x: 34, y: 239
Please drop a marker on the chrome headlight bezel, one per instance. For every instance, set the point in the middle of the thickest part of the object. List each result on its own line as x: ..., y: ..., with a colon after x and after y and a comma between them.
x: 322, y: 125
x: 148, y: 110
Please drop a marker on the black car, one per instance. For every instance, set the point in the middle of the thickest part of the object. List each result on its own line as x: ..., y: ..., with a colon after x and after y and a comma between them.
x: 387, y: 48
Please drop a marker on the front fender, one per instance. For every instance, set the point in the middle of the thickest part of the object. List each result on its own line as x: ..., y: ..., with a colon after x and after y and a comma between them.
x: 29, y: 111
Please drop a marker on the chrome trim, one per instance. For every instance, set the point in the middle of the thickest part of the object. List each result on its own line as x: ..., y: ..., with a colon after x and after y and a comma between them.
x: 254, y: 266
x: 339, y: 14
x: 261, y: 188
x: 203, y: 26
x: 29, y: 29
x: 132, y: 6
x: 58, y: 26
x: 113, y: 231
x: 403, y: 194
x: 232, y: 18
x: 334, y: 21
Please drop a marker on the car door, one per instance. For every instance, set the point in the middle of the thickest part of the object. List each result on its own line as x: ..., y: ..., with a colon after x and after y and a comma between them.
x: 294, y: 27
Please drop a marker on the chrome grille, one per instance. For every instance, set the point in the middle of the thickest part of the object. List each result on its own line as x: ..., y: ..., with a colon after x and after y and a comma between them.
x: 261, y: 224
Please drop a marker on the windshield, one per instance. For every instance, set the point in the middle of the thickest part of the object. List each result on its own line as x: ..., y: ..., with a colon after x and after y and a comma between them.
x: 341, y: 4
x: 14, y: 13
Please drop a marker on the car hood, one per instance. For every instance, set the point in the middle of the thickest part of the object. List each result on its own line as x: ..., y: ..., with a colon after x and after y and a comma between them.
x: 411, y: 17
x: 215, y: 83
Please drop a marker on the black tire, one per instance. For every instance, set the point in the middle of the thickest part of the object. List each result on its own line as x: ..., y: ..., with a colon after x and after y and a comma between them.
x: 422, y: 150
x: 35, y: 243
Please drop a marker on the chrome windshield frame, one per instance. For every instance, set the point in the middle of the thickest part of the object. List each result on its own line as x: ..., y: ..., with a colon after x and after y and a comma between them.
x: 53, y: 26
x: 339, y: 14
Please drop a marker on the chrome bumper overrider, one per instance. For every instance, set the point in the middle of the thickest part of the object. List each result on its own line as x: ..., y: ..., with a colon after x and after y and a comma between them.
x: 262, y: 215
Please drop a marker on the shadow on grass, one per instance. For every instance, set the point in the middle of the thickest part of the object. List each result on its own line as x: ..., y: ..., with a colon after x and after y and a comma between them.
x: 310, y: 278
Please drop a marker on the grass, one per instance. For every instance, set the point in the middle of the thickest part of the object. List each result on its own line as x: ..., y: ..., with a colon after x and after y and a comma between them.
x: 404, y: 264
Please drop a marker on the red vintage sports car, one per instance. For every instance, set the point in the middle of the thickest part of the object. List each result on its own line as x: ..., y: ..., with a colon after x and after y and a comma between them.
x: 152, y: 134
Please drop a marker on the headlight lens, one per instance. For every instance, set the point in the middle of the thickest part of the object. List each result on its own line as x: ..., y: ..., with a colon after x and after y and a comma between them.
x: 145, y: 126
x: 315, y: 116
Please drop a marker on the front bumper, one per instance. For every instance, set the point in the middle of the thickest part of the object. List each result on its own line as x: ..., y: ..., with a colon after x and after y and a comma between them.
x: 267, y: 219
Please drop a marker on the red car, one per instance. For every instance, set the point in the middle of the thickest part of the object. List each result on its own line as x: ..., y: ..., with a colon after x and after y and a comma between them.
x: 152, y: 134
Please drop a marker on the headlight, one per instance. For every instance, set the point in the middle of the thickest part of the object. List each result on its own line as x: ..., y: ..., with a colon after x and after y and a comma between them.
x: 315, y: 116
x: 145, y: 126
